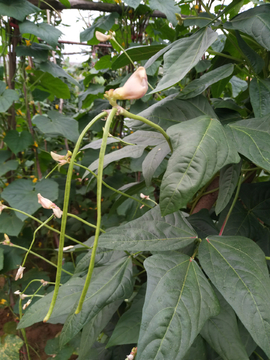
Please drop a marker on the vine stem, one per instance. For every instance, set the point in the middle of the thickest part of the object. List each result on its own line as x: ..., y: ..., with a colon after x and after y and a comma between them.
x: 84, y: 221
x: 111, y: 188
x: 148, y: 122
x: 39, y: 256
x: 65, y: 211
x: 232, y: 206
x: 99, y: 193
x: 49, y: 227
x: 34, y: 237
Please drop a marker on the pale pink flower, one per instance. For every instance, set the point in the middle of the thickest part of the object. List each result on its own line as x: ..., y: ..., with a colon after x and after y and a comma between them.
x: 61, y: 159
x: 7, y: 240
x: 19, y: 274
x: 102, y: 37
x: 146, y: 197
x: 2, y: 207
x: 27, y: 304
x: 135, y: 87
x: 48, y: 204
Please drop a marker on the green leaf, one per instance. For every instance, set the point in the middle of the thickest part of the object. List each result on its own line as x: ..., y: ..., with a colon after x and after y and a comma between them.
x: 150, y: 232
x: 43, y: 30
x: 201, y: 20
x: 110, y: 283
x: 7, y: 96
x: 238, y: 85
x: 56, y: 71
x: 66, y: 3
x: 197, y: 156
x: 196, y: 87
x: 47, y: 82
x: 251, y: 138
x: 168, y: 7
x: 254, y: 22
x: 18, y: 9
x: 135, y: 151
x: 171, y: 111
x: 8, y: 166
x: 68, y: 295
x: 104, y: 63
x: 22, y: 194
x: 133, y: 3
x: 88, y: 96
x: 104, y: 23
x: 136, y: 53
x: 179, y: 300
x: 38, y: 51
x: 256, y: 199
x: 203, y: 224
x: 18, y: 141
x: 10, y: 346
x: 237, y: 268
x: 197, y: 350
x: 221, y: 330
x: 57, y: 124
x: 183, y: 56
x: 228, y: 179
x: 259, y: 91
x: 254, y: 58
x: 153, y: 159
x: 1, y: 258
x: 128, y: 327
x: 95, y: 326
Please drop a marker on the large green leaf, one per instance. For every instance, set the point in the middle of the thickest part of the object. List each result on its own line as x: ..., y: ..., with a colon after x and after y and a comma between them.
x: 56, y: 71
x: 259, y: 92
x: 201, y: 148
x: 38, y: 51
x: 95, y: 326
x: 7, y: 166
x: 47, y: 82
x: 128, y: 327
x: 133, y: 3
x: 197, y: 350
x: 150, y: 232
x: 22, y: 194
x: 196, y: 87
x: 254, y: 58
x: 57, y: 124
x: 221, y: 330
x: 136, y: 53
x: 18, y: 141
x: 168, y: 7
x: 228, y: 179
x: 18, y: 9
x: 10, y: 224
x: 252, y: 138
x: 7, y: 96
x: 179, y: 300
x: 256, y: 199
x: 135, y: 151
x: 172, y: 110
x: 237, y: 267
x: 10, y: 346
x: 109, y: 284
x: 153, y: 159
x: 183, y: 56
x: 104, y: 22
x: 68, y: 295
x: 43, y: 30
x: 254, y: 22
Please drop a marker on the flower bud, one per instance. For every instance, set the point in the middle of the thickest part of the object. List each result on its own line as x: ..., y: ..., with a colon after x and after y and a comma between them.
x: 102, y: 37
x: 19, y: 274
x: 62, y: 159
x: 48, y: 204
x: 135, y: 87
x: 2, y: 207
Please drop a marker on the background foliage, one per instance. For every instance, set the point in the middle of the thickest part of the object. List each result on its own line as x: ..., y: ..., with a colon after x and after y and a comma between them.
x: 181, y: 269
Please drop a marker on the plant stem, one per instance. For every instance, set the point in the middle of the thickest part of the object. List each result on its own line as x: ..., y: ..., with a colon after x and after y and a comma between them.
x: 49, y: 227
x: 148, y: 122
x: 111, y: 188
x: 34, y: 237
x: 65, y: 211
x: 99, y: 193
x: 23, y: 331
x: 84, y: 221
x: 39, y: 256
x: 232, y: 206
